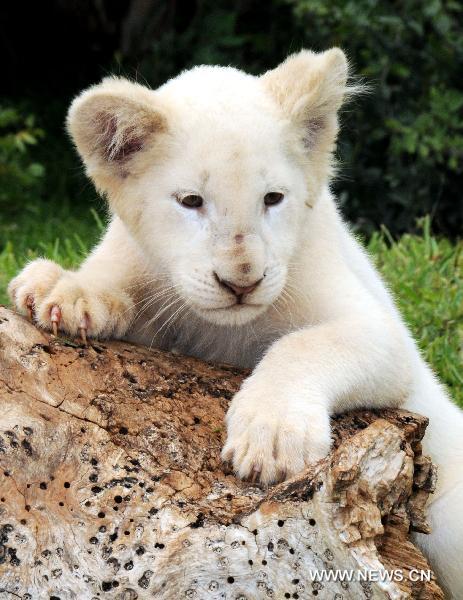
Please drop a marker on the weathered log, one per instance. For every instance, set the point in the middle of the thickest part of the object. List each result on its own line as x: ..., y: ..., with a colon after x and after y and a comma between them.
x: 112, y: 486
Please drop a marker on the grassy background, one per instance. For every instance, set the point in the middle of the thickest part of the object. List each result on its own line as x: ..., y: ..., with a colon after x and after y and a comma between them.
x: 424, y: 273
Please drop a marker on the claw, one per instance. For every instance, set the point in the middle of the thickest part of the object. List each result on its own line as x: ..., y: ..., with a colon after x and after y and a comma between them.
x: 254, y: 476
x: 227, y: 467
x: 55, y: 317
x: 85, y: 322
x: 281, y: 476
x: 30, y: 306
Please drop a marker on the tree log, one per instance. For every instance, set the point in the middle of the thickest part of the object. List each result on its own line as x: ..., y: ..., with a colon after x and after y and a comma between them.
x: 111, y: 486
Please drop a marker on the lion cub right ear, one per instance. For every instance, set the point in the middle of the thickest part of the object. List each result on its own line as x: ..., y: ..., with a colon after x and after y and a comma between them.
x: 113, y: 124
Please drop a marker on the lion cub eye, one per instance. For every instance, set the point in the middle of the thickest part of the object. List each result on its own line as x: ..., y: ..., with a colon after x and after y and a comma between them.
x: 273, y: 198
x: 191, y: 201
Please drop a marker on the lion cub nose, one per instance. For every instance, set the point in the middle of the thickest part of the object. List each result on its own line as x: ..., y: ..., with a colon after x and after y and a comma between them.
x: 238, y: 290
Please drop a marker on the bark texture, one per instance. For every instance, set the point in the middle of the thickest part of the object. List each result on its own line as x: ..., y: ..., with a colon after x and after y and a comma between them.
x: 111, y: 485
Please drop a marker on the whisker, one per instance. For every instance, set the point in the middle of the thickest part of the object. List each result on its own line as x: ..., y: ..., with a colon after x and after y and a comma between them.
x: 157, y: 294
x: 161, y: 311
x: 168, y: 323
x: 166, y: 297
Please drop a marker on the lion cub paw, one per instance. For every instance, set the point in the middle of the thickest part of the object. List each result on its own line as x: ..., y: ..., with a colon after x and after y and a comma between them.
x: 61, y: 301
x: 271, y: 439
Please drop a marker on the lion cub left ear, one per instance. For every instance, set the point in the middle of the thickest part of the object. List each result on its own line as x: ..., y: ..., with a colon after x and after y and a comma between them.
x: 310, y: 88
x: 112, y: 125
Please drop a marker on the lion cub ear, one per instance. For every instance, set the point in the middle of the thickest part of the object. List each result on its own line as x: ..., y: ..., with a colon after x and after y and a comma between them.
x: 112, y: 125
x: 310, y: 88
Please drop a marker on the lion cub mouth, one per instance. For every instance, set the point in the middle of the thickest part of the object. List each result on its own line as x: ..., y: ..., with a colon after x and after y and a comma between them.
x: 235, y: 306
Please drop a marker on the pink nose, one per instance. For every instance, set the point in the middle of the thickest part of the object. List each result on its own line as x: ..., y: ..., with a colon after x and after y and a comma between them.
x: 238, y: 290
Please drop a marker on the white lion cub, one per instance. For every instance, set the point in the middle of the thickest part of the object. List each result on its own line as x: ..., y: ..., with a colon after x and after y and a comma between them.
x: 225, y: 243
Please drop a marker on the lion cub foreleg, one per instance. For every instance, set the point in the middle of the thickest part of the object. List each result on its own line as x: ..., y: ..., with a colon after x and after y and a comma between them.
x: 278, y: 423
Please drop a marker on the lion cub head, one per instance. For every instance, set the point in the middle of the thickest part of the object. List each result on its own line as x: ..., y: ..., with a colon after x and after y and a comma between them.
x: 214, y: 172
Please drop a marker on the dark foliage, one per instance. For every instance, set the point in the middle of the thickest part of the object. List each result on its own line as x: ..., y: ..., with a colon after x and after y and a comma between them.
x: 401, y: 149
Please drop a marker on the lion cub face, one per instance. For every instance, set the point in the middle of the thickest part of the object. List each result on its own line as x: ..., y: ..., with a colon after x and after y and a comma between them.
x: 223, y: 213
x: 213, y: 173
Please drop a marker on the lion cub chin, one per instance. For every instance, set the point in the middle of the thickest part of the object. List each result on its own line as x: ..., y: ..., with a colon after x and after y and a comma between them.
x: 226, y: 243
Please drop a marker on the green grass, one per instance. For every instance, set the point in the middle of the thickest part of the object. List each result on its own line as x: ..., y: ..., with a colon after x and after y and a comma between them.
x: 62, y: 233
x: 426, y: 276
x: 424, y: 273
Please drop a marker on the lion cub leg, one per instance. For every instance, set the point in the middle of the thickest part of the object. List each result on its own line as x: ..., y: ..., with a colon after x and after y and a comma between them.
x: 96, y: 300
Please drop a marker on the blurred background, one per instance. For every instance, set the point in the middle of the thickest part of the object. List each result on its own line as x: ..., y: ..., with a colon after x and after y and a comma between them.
x: 401, y: 147
x: 400, y: 151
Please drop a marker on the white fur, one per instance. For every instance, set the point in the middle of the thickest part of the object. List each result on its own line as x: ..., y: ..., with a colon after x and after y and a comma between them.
x: 321, y: 330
